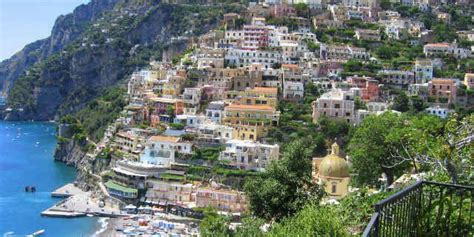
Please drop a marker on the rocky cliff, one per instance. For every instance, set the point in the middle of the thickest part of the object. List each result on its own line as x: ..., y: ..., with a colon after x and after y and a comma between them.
x: 96, y: 48
x: 66, y: 29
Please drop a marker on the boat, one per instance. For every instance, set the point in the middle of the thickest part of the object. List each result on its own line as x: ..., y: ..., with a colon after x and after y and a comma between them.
x: 37, y: 233
x: 90, y: 215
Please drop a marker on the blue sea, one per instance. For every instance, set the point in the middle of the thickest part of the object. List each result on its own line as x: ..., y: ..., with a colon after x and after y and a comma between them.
x: 26, y: 158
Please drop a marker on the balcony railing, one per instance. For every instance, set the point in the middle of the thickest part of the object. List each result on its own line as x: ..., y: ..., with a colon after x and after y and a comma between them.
x: 425, y: 209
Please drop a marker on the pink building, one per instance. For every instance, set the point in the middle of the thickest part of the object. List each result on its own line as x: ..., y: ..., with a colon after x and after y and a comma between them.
x: 224, y: 200
x: 442, y: 90
x: 369, y: 87
x: 283, y: 10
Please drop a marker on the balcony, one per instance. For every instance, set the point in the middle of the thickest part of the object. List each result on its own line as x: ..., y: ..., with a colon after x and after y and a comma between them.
x: 425, y: 209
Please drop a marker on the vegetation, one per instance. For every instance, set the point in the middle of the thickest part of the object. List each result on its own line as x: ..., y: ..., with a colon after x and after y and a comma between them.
x: 286, y: 186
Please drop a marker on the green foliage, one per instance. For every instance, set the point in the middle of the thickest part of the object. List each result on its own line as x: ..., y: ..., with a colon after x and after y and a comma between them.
x: 371, y: 152
x: 401, y: 103
x: 214, y: 225
x: 99, y: 113
x: 312, y: 220
x: 286, y: 186
x: 177, y: 126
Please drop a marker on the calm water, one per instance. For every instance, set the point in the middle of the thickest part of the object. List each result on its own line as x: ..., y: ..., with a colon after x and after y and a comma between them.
x: 26, y: 158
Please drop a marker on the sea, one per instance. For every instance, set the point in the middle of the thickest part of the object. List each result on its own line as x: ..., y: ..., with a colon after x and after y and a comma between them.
x: 26, y: 158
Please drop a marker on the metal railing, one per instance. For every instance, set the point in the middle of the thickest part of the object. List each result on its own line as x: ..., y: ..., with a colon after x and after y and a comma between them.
x: 425, y: 209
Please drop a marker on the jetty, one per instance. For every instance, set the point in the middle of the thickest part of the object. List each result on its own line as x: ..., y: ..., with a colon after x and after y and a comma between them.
x: 79, y: 203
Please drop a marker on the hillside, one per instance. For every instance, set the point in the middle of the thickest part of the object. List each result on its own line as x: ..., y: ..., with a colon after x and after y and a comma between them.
x: 95, y: 48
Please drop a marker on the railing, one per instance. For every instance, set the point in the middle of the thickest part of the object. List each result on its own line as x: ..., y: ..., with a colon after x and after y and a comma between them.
x: 425, y: 209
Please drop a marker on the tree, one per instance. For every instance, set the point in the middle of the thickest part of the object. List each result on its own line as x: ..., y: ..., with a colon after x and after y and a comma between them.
x: 286, y: 186
x: 387, y: 52
x: 401, y: 102
x: 214, y: 224
x: 370, y: 150
x: 417, y: 104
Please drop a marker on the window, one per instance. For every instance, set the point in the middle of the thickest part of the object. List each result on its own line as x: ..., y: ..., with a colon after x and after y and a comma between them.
x: 337, y: 106
x: 333, y: 187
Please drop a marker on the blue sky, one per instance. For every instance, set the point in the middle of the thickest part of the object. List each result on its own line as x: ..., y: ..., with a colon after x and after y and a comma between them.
x: 24, y: 21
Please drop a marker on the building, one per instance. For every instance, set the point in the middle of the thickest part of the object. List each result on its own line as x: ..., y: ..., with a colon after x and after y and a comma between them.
x: 438, y: 111
x: 469, y: 80
x: 445, y: 49
x: 397, y: 78
x: 258, y: 96
x: 169, y: 190
x: 192, y: 100
x: 221, y: 199
x: 442, y: 91
x: 215, y: 111
x: 162, y: 150
x: 249, y: 155
x: 342, y: 52
x: 423, y: 71
x: 369, y: 87
x: 363, y: 34
x: 128, y: 142
x: 335, y: 104
x: 332, y: 172
x: 250, y: 122
x: 293, y: 90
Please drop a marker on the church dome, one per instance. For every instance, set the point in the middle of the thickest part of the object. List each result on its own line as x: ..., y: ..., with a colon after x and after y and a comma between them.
x: 334, y: 166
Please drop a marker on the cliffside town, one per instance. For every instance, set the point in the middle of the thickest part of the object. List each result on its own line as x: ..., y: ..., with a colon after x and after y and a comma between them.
x: 194, y: 126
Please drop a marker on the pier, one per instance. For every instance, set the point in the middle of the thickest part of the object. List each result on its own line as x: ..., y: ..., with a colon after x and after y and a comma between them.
x: 79, y: 203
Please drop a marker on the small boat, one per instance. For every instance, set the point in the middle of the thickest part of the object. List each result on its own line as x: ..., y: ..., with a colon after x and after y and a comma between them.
x: 37, y: 233
x: 90, y: 215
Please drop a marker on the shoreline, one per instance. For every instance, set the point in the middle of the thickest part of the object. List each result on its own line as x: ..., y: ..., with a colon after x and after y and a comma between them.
x: 107, y: 227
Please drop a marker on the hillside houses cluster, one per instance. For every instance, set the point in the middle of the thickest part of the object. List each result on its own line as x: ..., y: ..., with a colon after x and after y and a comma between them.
x: 224, y: 93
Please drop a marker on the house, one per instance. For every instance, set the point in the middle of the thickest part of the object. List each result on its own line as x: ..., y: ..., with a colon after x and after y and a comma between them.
x: 212, y: 133
x: 442, y: 90
x: 363, y: 34
x: 169, y: 190
x: 469, y: 80
x: 128, y: 142
x: 335, y: 104
x: 250, y: 122
x: 164, y: 109
x: 192, y: 99
x: 293, y: 90
x: 249, y: 155
x: 397, y: 78
x: 221, y: 199
x: 423, y: 71
x: 215, y: 111
x: 258, y: 96
x: 438, y: 111
x: 342, y: 52
x: 162, y: 150
x: 369, y: 87
x: 443, y: 49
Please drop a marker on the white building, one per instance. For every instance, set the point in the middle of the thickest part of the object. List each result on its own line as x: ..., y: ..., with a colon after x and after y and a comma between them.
x: 440, y: 112
x: 249, y: 155
x: 335, y: 104
x: 293, y: 90
x: 162, y: 150
x: 215, y: 111
x: 243, y: 58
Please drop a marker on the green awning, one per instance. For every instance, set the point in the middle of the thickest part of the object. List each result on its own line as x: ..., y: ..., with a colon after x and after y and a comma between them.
x: 112, y: 185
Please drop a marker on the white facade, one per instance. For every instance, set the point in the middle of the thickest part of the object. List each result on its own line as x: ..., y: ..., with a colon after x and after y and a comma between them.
x: 249, y: 155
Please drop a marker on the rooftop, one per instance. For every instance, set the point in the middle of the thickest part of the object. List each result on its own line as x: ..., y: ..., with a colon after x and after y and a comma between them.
x: 249, y: 107
x: 164, y: 139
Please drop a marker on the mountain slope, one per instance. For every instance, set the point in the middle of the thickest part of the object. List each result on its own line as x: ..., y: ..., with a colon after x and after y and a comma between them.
x: 111, y: 47
x: 66, y: 29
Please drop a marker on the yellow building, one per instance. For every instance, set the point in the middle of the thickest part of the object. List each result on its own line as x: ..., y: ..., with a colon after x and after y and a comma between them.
x: 259, y: 96
x: 250, y: 122
x: 173, y: 86
x: 332, y: 172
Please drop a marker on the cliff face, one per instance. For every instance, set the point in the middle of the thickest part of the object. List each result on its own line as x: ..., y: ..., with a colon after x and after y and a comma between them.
x: 91, y: 51
x: 66, y: 29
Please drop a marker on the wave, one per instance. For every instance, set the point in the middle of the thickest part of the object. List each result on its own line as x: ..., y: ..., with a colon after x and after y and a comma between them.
x: 104, y: 223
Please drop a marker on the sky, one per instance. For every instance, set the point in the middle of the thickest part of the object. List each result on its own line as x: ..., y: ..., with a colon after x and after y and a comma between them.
x: 25, y: 21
